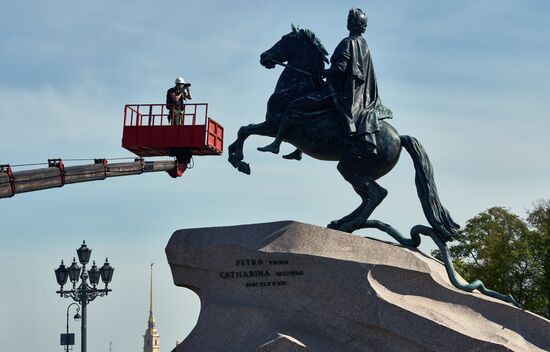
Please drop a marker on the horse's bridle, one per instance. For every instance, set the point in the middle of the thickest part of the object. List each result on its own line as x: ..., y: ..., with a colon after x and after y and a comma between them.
x: 291, y: 67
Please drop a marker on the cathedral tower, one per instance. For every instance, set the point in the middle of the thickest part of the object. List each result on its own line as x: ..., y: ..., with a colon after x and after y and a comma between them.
x: 151, y: 339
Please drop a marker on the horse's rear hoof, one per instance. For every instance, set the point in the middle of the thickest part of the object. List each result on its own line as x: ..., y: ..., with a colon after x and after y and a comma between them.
x: 347, y: 227
x: 334, y: 225
x: 342, y: 226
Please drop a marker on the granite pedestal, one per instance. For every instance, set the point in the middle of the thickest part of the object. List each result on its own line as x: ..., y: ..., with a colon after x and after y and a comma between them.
x: 329, y: 291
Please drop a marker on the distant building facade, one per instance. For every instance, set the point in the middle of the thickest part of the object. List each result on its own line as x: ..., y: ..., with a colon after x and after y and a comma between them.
x: 151, y: 339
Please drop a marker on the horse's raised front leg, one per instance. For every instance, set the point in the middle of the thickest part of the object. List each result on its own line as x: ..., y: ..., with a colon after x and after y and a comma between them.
x: 235, y: 150
x: 371, y: 194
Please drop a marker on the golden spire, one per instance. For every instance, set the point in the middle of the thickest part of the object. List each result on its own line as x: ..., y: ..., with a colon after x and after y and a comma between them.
x: 151, y: 339
x: 151, y: 317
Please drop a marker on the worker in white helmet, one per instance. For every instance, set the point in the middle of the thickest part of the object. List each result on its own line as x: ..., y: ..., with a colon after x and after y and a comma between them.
x: 175, y: 101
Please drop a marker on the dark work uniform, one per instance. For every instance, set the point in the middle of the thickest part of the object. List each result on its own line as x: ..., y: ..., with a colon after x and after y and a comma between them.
x: 171, y: 105
x: 170, y: 102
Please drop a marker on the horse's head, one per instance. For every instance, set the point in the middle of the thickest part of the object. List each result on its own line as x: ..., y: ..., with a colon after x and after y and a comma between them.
x: 300, y: 48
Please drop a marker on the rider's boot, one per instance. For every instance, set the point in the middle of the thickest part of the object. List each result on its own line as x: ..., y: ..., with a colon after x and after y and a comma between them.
x: 295, y: 155
x: 281, y: 132
x: 368, y: 141
x: 273, y: 147
x: 371, y: 149
x: 371, y: 144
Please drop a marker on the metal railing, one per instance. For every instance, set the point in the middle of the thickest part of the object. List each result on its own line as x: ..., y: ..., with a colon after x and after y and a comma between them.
x: 161, y: 115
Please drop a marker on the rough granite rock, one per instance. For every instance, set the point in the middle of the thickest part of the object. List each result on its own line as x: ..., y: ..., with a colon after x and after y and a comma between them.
x: 334, y: 292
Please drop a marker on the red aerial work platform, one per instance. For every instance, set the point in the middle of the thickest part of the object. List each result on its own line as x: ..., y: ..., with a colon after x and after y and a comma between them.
x: 147, y: 131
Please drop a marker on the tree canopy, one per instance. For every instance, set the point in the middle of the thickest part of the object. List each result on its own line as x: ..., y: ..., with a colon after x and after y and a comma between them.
x: 508, y: 253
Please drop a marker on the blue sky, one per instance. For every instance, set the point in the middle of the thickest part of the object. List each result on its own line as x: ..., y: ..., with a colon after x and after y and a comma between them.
x: 469, y: 79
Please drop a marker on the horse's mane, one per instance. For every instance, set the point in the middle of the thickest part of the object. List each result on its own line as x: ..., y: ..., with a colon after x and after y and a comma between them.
x: 313, y: 39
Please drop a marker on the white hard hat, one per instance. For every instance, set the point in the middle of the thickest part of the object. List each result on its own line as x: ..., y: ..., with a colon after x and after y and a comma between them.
x: 180, y: 80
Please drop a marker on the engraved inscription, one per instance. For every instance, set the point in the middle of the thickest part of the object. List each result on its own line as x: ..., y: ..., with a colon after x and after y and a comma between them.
x: 261, y: 273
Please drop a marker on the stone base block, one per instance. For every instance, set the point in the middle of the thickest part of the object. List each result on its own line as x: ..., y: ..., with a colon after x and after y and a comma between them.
x: 333, y: 291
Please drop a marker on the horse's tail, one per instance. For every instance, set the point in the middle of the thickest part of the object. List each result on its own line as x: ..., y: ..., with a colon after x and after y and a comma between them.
x: 438, y: 217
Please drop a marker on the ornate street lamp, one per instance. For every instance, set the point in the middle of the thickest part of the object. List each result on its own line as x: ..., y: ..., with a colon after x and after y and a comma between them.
x: 83, y: 293
x: 68, y: 339
x: 61, y: 274
x: 84, y: 253
x: 106, y: 272
x: 74, y: 272
x: 94, y: 275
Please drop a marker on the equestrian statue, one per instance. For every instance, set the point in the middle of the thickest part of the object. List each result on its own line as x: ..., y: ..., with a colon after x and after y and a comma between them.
x: 336, y: 114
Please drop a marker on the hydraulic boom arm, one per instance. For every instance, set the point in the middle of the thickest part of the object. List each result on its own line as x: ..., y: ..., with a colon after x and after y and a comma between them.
x: 57, y: 175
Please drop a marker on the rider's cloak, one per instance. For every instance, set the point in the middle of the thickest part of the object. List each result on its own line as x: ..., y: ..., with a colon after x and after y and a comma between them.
x: 352, y: 77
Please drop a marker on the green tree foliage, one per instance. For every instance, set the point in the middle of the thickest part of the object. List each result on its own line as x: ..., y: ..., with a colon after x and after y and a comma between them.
x: 539, y: 220
x: 508, y: 254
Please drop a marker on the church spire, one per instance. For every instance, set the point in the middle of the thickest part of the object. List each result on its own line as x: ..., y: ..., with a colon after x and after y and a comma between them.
x: 151, y: 317
x: 151, y: 338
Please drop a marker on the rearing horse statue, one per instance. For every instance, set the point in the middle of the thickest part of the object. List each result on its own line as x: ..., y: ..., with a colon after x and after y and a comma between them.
x: 320, y: 134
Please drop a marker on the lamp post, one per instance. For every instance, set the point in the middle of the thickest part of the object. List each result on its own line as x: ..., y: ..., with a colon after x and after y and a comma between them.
x: 84, y: 293
x: 77, y: 318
